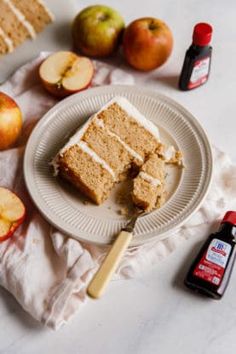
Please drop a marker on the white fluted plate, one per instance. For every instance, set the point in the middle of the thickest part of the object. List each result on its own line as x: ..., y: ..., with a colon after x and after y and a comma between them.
x: 65, y: 208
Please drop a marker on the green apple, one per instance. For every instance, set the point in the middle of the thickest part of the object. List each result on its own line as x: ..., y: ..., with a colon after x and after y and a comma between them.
x: 96, y: 30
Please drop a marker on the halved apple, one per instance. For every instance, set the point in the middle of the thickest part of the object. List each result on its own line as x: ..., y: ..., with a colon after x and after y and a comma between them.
x: 12, y: 213
x: 64, y: 73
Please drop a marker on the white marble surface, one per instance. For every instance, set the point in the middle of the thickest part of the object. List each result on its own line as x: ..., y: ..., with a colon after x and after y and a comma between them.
x: 155, y: 314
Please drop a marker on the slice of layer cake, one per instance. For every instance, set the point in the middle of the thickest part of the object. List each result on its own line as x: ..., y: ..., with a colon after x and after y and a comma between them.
x: 35, y: 12
x: 149, y: 186
x: 19, y: 20
x: 103, y: 151
x: 86, y: 171
x: 13, y: 23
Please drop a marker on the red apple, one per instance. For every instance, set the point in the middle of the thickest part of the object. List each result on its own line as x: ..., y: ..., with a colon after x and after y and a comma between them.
x: 64, y: 73
x: 10, y: 121
x: 147, y: 43
x: 12, y: 213
x: 96, y: 30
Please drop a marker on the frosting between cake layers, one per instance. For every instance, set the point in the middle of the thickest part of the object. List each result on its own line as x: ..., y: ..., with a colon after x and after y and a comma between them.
x: 101, y: 124
x: 84, y: 146
x: 134, y: 113
x: 130, y: 109
x: 21, y: 18
x: 169, y: 153
x: 153, y: 181
x: 7, y: 41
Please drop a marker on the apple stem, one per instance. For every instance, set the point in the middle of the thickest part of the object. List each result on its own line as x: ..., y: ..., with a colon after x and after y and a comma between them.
x: 152, y: 25
x: 103, y: 17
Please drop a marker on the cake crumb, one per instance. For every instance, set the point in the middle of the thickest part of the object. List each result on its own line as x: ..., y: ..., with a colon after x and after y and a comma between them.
x: 177, y: 159
x: 121, y: 197
x: 124, y: 211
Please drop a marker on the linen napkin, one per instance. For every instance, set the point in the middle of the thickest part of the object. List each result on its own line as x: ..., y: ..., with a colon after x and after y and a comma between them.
x: 44, y: 269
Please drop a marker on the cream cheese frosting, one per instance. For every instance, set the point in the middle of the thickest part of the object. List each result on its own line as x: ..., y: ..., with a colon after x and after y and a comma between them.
x: 135, y: 114
x: 153, y: 181
x: 169, y: 153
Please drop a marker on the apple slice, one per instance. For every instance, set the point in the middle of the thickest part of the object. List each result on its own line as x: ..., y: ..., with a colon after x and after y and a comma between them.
x: 12, y: 213
x: 64, y: 73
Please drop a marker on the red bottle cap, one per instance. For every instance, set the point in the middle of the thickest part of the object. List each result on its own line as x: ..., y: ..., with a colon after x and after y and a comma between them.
x: 202, y: 34
x: 230, y: 217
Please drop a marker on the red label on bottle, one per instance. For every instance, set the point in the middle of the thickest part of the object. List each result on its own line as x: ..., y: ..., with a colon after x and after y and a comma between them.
x: 200, y: 72
x: 212, y: 265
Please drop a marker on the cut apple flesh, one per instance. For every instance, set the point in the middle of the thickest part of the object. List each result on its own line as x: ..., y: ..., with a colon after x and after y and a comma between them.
x: 12, y: 212
x: 67, y: 72
x: 11, y: 207
x: 56, y: 65
x: 79, y: 75
x: 5, y: 227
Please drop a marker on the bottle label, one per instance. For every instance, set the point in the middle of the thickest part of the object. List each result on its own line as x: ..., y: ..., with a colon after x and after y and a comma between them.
x: 212, y: 265
x: 200, y: 72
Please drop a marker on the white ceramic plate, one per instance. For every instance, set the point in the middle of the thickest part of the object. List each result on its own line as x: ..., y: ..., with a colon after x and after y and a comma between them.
x: 66, y: 209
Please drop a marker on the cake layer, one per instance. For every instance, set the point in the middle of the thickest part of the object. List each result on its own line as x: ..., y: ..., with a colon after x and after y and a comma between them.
x: 36, y: 13
x: 3, y: 46
x: 11, y: 24
x: 129, y: 129
x: 108, y: 148
x: 86, y: 174
x: 137, y: 158
x: 144, y: 194
x: 149, y: 186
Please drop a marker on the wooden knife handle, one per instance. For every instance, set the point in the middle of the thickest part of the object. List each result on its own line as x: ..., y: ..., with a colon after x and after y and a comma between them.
x: 101, y: 279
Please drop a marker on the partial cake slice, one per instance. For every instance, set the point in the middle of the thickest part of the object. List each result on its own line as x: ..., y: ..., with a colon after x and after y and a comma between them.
x: 102, y: 152
x: 86, y: 171
x: 36, y: 13
x: 13, y: 23
x: 149, y: 186
x: 21, y: 19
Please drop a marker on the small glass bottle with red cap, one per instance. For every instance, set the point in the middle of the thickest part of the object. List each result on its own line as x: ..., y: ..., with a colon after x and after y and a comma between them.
x: 211, y: 270
x: 197, y: 62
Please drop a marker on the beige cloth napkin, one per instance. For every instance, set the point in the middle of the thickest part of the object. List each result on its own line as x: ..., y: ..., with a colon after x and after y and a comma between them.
x: 47, y: 271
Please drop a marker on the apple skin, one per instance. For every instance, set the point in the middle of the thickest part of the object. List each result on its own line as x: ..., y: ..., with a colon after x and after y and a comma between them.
x: 10, y: 121
x: 13, y: 228
x: 60, y: 91
x: 96, y: 30
x: 16, y: 223
x: 147, y: 43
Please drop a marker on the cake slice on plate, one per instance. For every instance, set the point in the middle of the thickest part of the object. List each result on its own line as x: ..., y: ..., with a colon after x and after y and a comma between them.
x: 106, y: 148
